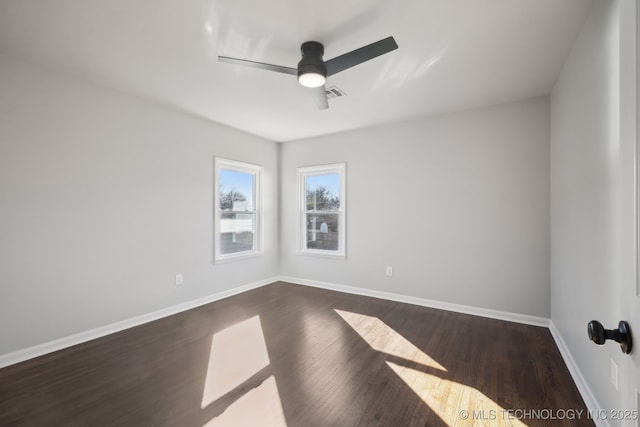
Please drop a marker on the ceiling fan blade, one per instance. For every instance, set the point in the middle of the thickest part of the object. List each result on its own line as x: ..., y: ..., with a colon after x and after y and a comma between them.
x: 261, y: 65
x: 319, y: 95
x: 358, y: 56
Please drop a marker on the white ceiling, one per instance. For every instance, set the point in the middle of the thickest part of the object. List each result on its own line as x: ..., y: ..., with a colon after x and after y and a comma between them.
x: 453, y: 54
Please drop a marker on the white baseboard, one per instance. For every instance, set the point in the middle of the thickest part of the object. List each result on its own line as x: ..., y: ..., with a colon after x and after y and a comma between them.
x: 79, y: 338
x: 458, y: 308
x: 583, y: 387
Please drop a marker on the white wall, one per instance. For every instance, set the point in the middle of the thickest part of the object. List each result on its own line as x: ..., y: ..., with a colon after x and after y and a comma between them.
x: 457, y: 204
x: 104, y: 199
x: 592, y: 182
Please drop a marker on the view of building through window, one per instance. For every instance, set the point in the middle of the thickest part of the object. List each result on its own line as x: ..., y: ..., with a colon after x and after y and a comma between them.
x: 323, y: 210
x: 237, y: 216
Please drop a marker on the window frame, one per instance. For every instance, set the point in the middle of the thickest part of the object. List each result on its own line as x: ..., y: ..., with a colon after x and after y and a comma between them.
x: 257, y: 172
x: 301, y: 174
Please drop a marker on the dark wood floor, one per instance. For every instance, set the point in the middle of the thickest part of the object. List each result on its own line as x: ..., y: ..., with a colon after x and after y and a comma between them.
x: 300, y: 356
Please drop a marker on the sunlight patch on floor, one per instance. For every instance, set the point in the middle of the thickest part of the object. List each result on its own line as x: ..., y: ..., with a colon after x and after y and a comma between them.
x: 258, y: 407
x: 383, y: 338
x: 237, y: 353
x: 456, y: 404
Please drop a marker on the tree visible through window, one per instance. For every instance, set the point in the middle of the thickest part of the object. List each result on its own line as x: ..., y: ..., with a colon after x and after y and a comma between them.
x: 322, y: 209
x: 237, y: 209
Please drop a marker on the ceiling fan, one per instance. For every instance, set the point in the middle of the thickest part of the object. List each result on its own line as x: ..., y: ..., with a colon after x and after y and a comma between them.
x: 313, y: 71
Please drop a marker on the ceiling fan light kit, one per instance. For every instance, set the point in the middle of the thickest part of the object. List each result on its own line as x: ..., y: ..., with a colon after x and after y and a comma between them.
x: 313, y: 71
x: 311, y: 79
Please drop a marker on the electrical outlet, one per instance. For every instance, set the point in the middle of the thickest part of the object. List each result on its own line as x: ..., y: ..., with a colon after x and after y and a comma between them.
x: 614, y: 374
x: 389, y: 271
x: 179, y: 279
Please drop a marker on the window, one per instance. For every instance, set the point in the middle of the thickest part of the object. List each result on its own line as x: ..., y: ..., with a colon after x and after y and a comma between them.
x: 238, y: 219
x: 322, y: 210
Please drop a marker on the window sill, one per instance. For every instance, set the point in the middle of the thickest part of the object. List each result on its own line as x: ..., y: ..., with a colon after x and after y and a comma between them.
x: 322, y: 254
x: 240, y: 256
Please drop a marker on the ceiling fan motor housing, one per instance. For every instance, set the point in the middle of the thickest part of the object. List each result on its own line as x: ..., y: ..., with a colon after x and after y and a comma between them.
x: 311, y: 61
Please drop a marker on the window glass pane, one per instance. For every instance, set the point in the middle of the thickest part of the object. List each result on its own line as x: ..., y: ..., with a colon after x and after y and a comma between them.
x: 323, y: 192
x: 322, y: 231
x: 238, y: 216
x: 236, y: 232
x: 322, y: 207
x: 236, y: 191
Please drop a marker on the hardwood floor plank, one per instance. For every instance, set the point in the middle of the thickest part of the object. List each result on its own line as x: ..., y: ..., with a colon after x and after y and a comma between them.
x: 334, y: 359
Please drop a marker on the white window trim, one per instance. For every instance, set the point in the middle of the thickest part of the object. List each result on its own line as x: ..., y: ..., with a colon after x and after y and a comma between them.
x: 256, y: 171
x: 301, y: 173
